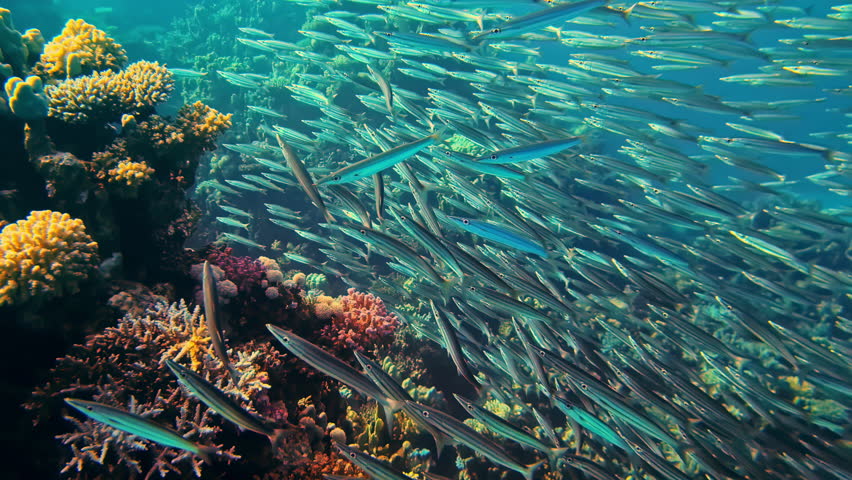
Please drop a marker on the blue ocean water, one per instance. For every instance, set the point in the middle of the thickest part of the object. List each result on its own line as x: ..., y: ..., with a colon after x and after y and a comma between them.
x: 813, y: 119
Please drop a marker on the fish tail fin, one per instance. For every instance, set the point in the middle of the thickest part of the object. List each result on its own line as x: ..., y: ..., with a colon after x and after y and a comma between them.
x: 387, y: 412
x: 529, y: 470
x: 205, y: 452
x: 555, y: 454
x: 328, y: 216
x: 625, y: 14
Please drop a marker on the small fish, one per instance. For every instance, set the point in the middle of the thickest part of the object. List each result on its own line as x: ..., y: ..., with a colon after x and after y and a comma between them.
x: 186, y: 73
x: 332, y: 366
x: 464, y: 434
x: 265, y: 111
x: 537, y: 20
x: 211, y: 318
x: 255, y: 32
x: 500, y: 234
x: 244, y: 186
x: 377, y: 163
x: 243, y: 240
x: 139, y: 426
x: 231, y: 222
x: 530, y: 151
x: 377, y: 469
x: 221, y: 403
x: 235, y: 211
x: 303, y: 176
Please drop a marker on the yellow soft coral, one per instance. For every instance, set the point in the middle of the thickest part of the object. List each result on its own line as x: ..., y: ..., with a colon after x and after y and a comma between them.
x: 130, y: 175
x: 47, y: 254
x: 80, y: 49
x: 107, y: 95
x: 26, y: 97
x: 202, y: 123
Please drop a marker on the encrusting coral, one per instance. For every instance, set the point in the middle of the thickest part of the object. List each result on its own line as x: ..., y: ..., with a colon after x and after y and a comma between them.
x: 80, y: 49
x: 107, y: 95
x: 45, y: 255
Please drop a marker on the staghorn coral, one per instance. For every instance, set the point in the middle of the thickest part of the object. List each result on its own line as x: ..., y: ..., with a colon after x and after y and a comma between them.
x: 80, y: 49
x: 107, y: 95
x: 125, y: 366
x: 364, y: 323
x: 324, y: 463
x: 45, y: 255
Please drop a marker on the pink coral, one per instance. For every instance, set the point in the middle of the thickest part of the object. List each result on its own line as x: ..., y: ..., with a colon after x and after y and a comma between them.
x: 245, y: 272
x: 364, y: 322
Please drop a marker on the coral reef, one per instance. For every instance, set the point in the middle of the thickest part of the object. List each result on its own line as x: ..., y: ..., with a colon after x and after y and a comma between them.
x: 364, y: 322
x: 124, y: 366
x: 107, y: 95
x: 80, y: 49
x: 48, y: 254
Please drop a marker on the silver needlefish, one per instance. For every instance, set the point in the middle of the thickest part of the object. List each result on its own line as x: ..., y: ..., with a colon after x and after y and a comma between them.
x: 451, y: 343
x: 377, y: 469
x: 221, y: 403
x: 385, y: 87
x: 303, y: 176
x: 466, y: 435
x: 232, y: 222
x: 243, y: 240
x: 538, y: 20
x: 530, y: 151
x: 500, y: 234
x: 367, y: 167
x: 507, y: 430
x: 333, y: 367
x: 139, y: 426
x: 211, y: 318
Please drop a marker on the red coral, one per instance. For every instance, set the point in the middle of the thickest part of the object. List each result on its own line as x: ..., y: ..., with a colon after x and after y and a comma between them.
x: 245, y: 272
x: 364, y: 322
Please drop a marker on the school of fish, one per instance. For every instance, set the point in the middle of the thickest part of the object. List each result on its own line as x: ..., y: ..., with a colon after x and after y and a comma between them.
x: 532, y: 185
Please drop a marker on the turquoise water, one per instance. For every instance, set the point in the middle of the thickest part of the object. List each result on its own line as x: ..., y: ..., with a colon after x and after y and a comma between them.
x: 665, y: 297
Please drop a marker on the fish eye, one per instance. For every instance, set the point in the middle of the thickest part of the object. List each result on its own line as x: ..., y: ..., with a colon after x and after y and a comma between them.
x: 495, y: 30
x: 471, y: 289
x: 352, y: 454
x: 466, y: 221
x: 493, y: 156
x: 363, y: 232
x: 583, y: 386
x: 89, y: 408
x: 337, y: 177
x: 425, y: 414
x: 541, y: 353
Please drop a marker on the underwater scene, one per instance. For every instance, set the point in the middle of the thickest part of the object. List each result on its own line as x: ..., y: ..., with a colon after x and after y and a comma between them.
x: 426, y: 240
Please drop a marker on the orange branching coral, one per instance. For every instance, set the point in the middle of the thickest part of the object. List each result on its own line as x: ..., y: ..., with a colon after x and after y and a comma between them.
x: 322, y: 463
x: 80, y: 49
x: 47, y: 254
x: 202, y: 124
x: 159, y: 134
x: 107, y: 95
